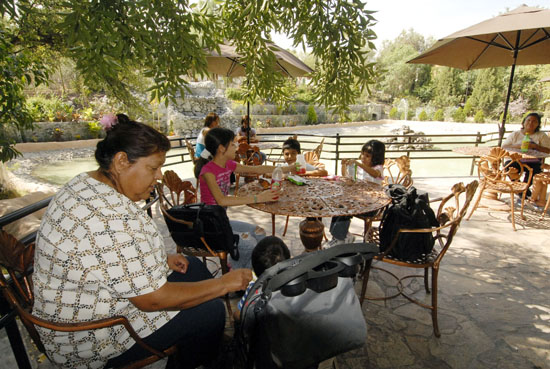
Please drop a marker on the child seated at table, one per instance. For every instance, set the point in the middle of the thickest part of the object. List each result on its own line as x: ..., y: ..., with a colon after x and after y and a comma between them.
x: 268, y: 252
x: 291, y: 149
x: 213, y: 174
x: 370, y: 167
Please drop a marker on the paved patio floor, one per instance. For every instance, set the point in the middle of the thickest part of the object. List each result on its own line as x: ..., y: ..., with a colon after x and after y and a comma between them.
x: 494, y: 297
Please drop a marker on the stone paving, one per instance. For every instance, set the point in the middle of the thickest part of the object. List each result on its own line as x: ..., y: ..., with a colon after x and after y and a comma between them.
x: 494, y: 298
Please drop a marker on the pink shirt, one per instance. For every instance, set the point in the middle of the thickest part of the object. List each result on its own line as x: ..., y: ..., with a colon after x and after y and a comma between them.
x: 222, y: 179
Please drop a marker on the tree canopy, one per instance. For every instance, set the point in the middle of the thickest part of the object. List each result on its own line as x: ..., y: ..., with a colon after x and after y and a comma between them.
x: 166, y: 41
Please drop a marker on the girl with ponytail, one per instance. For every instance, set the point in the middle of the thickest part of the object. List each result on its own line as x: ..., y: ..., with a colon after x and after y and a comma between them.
x: 214, y: 173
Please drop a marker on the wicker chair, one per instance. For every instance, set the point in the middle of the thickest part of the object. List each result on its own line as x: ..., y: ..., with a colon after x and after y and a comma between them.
x: 17, y: 258
x: 451, y: 210
x: 396, y: 171
x: 191, y: 151
x: 183, y: 192
x: 498, y: 172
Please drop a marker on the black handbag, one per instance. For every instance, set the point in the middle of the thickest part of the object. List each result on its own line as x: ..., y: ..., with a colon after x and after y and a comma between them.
x: 305, y: 310
x: 209, y: 222
x: 410, y: 209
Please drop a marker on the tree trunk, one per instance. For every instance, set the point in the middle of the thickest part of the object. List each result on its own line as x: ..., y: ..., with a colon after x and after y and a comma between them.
x: 6, y: 183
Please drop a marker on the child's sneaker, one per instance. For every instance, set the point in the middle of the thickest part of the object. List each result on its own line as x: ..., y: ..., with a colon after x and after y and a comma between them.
x: 335, y: 242
x: 349, y: 238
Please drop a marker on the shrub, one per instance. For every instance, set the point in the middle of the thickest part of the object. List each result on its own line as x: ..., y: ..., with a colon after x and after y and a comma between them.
x: 36, y: 106
x: 94, y: 128
x: 438, y: 115
x: 311, y: 115
x: 468, y: 108
x: 479, y: 117
x: 235, y: 94
x: 305, y: 95
x: 508, y: 117
x: 393, y: 113
x: 423, y: 116
x: 459, y: 116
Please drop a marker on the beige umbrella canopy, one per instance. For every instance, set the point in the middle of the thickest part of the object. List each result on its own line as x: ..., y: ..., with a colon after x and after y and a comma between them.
x: 545, y: 79
x: 227, y: 62
x: 519, y: 37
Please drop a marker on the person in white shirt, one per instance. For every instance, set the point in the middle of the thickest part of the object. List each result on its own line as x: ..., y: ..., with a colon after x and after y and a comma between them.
x: 370, y: 167
x: 291, y: 149
x: 539, y: 142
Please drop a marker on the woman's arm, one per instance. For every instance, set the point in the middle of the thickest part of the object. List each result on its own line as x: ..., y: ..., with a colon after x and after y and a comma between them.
x: 534, y: 146
x: 543, y: 145
x: 184, y: 295
x: 222, y: 200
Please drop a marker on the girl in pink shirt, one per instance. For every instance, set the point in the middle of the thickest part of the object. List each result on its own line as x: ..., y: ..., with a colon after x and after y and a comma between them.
x: 214, y: 183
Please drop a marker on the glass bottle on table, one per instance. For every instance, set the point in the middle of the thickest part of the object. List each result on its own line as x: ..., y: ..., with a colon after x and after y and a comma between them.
x: 277, y: 177
x: 525, y: 143
x: 300, y: 164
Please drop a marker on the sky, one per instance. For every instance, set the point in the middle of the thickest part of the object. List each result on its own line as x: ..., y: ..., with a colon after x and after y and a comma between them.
x: 436, y: 18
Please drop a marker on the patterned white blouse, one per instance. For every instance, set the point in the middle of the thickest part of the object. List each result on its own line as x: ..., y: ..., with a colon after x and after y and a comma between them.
x: 95, y: 249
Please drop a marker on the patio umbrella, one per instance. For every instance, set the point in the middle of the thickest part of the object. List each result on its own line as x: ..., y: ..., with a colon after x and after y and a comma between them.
x: 519, y: 37
x: 545, y: 79
x: 228, y: 63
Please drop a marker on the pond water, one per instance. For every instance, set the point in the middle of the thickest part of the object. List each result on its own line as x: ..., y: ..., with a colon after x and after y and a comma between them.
x: 60, y: 172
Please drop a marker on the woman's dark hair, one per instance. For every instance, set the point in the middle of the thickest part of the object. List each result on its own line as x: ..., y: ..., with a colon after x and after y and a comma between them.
x: 268, y: 252
x: 210, y: 118
x: 536, y: 115
x: 376, y: 149
x: 136, y: 139
x: 213, y: 139
x: 292, y: 144
x: 245, y: 119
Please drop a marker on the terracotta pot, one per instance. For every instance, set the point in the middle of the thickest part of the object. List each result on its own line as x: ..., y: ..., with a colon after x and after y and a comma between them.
x: 311, y: 233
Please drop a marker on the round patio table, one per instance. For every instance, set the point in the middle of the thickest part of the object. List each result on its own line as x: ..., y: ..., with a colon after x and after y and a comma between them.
x: 320, y: 197
x: 484, y: 150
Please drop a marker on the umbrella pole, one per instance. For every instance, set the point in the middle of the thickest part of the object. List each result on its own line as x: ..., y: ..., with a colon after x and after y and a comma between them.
x: 501, y: 128
x: 249, y: 123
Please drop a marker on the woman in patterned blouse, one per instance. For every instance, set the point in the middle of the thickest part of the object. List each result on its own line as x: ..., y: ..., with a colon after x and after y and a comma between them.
x: 98, y: 255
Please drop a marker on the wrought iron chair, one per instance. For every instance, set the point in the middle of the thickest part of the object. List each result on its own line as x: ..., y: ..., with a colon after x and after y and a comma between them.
x: 246, y: 155
x: 182, y: 192
x: 501, y: 172
x: 17, y: 258
x: 319, y: 149
x: 397, y: 171
x: 191, y: 151
x: 451, y: 210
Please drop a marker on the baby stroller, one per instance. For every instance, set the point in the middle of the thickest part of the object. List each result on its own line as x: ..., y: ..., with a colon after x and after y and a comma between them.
x: 304, y: 310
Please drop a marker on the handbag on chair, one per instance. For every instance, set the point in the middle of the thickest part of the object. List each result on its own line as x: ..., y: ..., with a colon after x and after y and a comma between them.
x: 209, y: 222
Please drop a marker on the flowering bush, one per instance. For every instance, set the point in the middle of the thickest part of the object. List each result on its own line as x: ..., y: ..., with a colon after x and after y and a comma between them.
x: 57, y: 134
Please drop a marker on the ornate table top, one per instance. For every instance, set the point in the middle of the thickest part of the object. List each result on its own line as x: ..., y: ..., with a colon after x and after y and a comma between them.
x: 484, y: 150
x: 322, y: 198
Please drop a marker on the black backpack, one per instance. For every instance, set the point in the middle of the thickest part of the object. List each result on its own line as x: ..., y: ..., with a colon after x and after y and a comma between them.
x: 209, y: 221
x: 411, y: 210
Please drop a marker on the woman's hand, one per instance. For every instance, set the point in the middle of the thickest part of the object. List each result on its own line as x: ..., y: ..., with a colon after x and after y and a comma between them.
x: 178, y: 263
x: 237, y: 280
x: 269, y: 195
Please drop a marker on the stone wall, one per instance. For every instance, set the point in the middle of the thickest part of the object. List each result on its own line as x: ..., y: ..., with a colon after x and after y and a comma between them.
x: 186, y: 116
